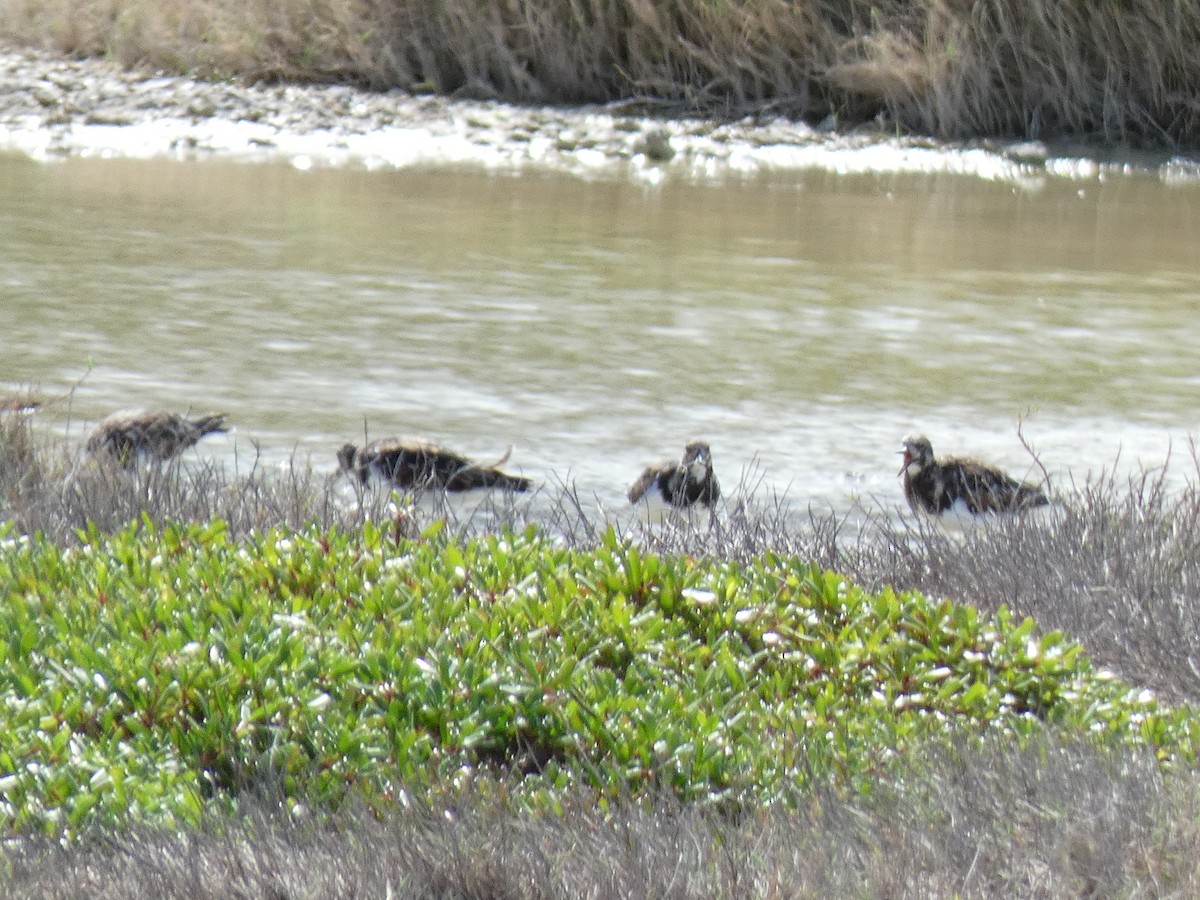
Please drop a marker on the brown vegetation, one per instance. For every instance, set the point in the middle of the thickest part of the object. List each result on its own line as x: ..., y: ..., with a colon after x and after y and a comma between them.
x: 1126, y: 71
x: 1044, y: 821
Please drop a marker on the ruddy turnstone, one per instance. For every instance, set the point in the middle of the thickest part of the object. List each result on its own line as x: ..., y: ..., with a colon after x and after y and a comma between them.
x: 420, y: 465
x: 151, y: 434
x: 682, y: 484
x: 960, y: 485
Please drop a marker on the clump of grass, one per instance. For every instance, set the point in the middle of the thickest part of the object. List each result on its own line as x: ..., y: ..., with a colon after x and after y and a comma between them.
x: 1012, y: 68
x: 1049, y: 820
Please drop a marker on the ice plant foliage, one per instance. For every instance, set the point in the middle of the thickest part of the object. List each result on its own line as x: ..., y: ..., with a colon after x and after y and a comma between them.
x: 168, y: 667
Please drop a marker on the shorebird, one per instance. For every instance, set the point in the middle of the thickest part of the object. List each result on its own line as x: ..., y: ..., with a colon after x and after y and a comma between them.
x: 681, y: 485
x: 953, y: 485
x: 151, y: 434
x: 420, y: 465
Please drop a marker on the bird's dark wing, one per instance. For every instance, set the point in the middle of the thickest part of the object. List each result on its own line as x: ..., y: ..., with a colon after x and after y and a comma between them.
x: 987, y: 489
x: 471, y: 477
x: 644, y: 482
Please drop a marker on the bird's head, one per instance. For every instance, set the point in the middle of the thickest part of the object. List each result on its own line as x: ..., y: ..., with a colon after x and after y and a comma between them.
x: 697, y: 459
x: 917, y: 452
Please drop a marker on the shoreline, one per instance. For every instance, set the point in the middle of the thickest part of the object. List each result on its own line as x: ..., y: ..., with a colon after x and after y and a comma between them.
x: 53, y: 107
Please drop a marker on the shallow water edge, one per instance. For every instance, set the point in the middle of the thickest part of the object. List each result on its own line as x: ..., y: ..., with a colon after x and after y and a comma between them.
x: 52, y: 107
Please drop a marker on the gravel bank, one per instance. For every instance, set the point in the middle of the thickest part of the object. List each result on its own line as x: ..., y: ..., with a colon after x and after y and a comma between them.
x: 53, y: 107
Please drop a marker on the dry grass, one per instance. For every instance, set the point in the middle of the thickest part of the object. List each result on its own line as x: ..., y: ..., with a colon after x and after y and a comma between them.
x: 1044, y: 821
x: 1126, y: 71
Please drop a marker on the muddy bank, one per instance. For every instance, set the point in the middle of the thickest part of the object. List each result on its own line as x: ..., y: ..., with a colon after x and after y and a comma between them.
x: 56, y: 107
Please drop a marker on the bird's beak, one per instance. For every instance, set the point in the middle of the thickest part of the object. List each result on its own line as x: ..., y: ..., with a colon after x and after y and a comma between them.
x: 907, y: 460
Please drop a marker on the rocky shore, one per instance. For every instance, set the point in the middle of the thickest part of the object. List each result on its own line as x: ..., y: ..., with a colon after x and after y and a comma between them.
x: 52, y: 107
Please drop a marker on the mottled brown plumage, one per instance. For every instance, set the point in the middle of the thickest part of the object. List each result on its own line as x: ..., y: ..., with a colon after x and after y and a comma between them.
x: 151, y: 434
x: 682, y: 484
x: 420, y: 465
x: 935, y: 486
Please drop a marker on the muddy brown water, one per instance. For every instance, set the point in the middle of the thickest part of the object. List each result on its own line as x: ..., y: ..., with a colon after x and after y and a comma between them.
x: 802, y: 322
